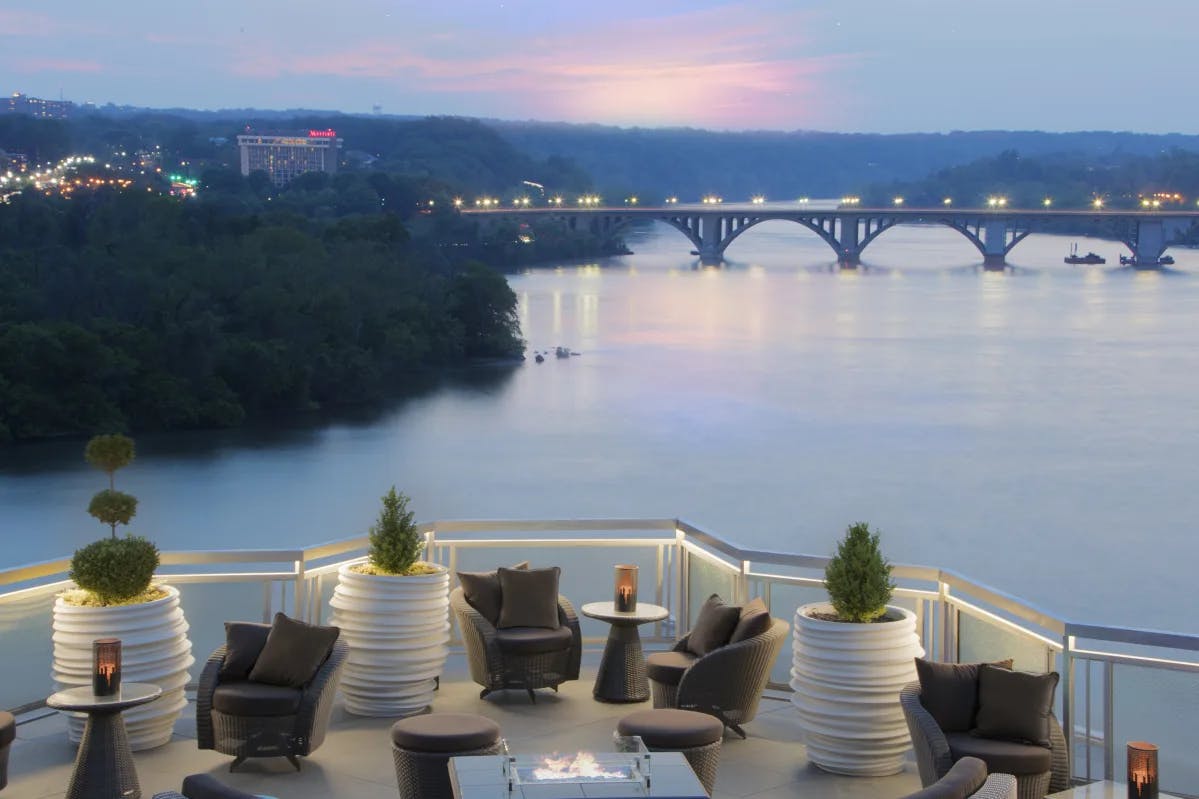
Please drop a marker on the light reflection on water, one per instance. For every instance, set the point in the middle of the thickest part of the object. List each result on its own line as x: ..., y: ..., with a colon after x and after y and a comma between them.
x: 1026, y: 428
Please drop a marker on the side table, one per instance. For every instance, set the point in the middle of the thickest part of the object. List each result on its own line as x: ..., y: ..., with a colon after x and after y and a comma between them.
x: 621, y: 676
x: 104, y: 763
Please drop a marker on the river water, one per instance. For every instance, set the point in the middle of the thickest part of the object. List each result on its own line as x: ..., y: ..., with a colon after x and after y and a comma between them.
x: 1034, y: 429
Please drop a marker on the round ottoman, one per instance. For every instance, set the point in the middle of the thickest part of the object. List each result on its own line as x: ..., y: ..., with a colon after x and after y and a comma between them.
x: 8, y: 733
x: 696, y: 735
x: 423, y: 745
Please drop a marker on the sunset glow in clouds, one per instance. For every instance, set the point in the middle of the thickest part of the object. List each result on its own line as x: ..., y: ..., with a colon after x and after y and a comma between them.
x: 775, y: 64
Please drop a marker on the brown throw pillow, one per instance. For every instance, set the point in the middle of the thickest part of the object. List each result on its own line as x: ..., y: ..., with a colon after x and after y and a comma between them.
x: 1014, y: 705
x: 713, y: 627
x: 244, y: 641
x: 949, y: 691
x: 482, y: 591
x: 754, y: 620
x: 293, y: 652
x: 529, y: 598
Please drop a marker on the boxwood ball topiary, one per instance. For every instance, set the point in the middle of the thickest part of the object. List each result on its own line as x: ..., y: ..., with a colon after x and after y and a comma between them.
x: 115, y: 569
x: 858, y: 578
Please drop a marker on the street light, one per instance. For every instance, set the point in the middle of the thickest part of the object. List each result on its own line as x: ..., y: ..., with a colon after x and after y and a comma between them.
x: 1097, y: 203
x: 947, y: 201
x: 897, y: 201
x: 1047, y: 202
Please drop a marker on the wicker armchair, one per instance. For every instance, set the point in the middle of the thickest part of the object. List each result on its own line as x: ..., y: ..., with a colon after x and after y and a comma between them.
x: 8, y: 733
x: 961, y: 780
x: 205, y: 786
x: 934, y: 755
x: 726, y: 682
x: 496, y: 667
x: 293, y: 735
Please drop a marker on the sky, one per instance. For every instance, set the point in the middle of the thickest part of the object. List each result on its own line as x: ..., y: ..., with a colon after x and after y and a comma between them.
x: 855, y: 65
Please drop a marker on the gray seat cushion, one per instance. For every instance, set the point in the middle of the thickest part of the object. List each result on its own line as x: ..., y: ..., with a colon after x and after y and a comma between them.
x: 672, y: 729
x: 445, y: 732
x: 256, y: 699
x: 206, y: 786
x: 964, y: 778
x: 8, y: 728
x: 1007, y: 757
x: 668, y: 667
x: 533, y: 640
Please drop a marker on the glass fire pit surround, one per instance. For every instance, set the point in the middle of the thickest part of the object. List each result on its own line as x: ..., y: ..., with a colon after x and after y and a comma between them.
x: 628, y: 772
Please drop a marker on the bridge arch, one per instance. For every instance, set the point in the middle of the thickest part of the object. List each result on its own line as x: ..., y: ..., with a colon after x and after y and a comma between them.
x: 751, y: 222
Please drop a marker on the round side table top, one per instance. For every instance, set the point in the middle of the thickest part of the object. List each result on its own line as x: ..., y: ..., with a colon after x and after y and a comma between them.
x: 606, y: 611
x: 82, y: 699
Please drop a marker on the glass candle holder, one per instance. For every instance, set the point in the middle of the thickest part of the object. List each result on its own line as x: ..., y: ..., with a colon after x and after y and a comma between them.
x: 1142, y: 770
x: 626, y: 589
x: 106, y: 666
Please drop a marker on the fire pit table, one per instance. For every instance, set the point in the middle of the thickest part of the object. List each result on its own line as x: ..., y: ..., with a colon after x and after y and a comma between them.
x: 606, y: 775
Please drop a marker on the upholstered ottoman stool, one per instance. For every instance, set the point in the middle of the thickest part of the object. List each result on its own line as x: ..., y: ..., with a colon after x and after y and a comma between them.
x: 696, y: 735
x: 8, y: 733
x: 423, y: 745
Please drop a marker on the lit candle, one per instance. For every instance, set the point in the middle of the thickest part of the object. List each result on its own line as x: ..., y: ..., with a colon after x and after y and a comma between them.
x: 1142, y: 770
x: 626, y: 588
x: 106, y: 666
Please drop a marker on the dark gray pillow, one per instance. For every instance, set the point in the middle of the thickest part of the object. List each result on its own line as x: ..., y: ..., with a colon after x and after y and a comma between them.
x: 1014, y: 705
x: 244, y: 641
x: 482, y: 591
x: 753, y: 620
x: 949, y: 691
x: 713, y: 627
x: 529, y: 597
x: 293, y: 652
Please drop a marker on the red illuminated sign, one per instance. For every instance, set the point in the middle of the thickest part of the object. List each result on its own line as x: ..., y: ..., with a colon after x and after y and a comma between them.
x: 328, y: 133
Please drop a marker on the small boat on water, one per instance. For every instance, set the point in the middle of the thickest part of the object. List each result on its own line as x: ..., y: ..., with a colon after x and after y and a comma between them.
x: 1089, y: 259
x: 1165, y: 260
x: 562, y: 352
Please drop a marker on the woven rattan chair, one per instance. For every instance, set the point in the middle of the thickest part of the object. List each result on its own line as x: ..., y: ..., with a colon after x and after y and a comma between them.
x: 292, y: 736
x: 934, y: 756
x: 726, y: 682
x: 494, y: 668
x: 960, y: 779
x: 8, y: 733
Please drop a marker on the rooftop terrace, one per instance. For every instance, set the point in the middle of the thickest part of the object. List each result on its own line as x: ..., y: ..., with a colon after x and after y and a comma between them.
x: 1117, y: 684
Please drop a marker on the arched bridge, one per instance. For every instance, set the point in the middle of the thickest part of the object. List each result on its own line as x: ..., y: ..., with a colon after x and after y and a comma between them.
x: 848, y: 231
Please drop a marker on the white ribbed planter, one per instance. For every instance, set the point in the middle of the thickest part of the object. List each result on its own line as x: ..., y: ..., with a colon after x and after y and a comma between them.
x: 847, y: 679
x: 154, y: 649
x: 398, y: 630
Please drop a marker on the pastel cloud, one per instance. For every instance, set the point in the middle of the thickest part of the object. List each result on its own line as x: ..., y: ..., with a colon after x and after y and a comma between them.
x: 36, y: 65
x: 711, y: 67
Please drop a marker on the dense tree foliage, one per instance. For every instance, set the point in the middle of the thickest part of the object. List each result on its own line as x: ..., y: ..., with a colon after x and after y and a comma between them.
x: 134, y: 311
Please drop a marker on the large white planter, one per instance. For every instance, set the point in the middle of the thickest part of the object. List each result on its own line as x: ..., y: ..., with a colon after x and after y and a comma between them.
x: 847, y: 679
x: 398, y: 630
x: 154, y: 649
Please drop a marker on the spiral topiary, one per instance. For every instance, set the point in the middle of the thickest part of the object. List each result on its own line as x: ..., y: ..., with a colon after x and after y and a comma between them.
x: 858, y: 578
x: 395, y: 542
x: 115, y: 570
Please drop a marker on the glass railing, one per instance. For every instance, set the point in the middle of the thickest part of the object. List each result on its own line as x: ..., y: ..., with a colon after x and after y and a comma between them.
x: 1118, y: 684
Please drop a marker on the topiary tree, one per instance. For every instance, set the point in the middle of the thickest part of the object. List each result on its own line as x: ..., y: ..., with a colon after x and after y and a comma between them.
x: 115, y: 569
x: 109, y: 453
x: 858, y: 578
x: 395, y: 542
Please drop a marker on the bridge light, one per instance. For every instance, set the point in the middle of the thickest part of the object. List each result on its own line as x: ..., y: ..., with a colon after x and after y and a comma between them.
x: 803, y: 200
x: 672, y: 200
x: 631, y: 201
x: 1047, y: 202
x: 457, y: 202
x: 757, y: 199
x: 947, y: 201
x: 897, y: 201
x: 1097, y: 203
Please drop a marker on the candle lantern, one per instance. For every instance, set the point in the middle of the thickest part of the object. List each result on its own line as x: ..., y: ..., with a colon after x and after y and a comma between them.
x: 106, y: 666
x: 626, y: 589
x: 1142, y: 770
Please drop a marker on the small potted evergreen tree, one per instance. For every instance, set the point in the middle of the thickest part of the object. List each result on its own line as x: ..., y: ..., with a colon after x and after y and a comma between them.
x: 115, y: 597
x: 851, y: 657
x: 393, y: 609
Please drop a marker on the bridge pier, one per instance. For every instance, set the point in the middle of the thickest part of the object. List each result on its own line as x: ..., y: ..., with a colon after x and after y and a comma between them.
x: 1150, y: 244
x: 995, y: 244
x: 849, y: 259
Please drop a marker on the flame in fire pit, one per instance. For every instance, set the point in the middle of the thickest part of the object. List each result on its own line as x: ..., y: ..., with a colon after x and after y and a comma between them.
x: 583, y: 766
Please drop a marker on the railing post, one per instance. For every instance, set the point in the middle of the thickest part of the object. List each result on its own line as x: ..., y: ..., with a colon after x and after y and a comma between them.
x: 683, y: 613
x: 1068, y: 700
x: 298, y: 605
x: 1109, y: 721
